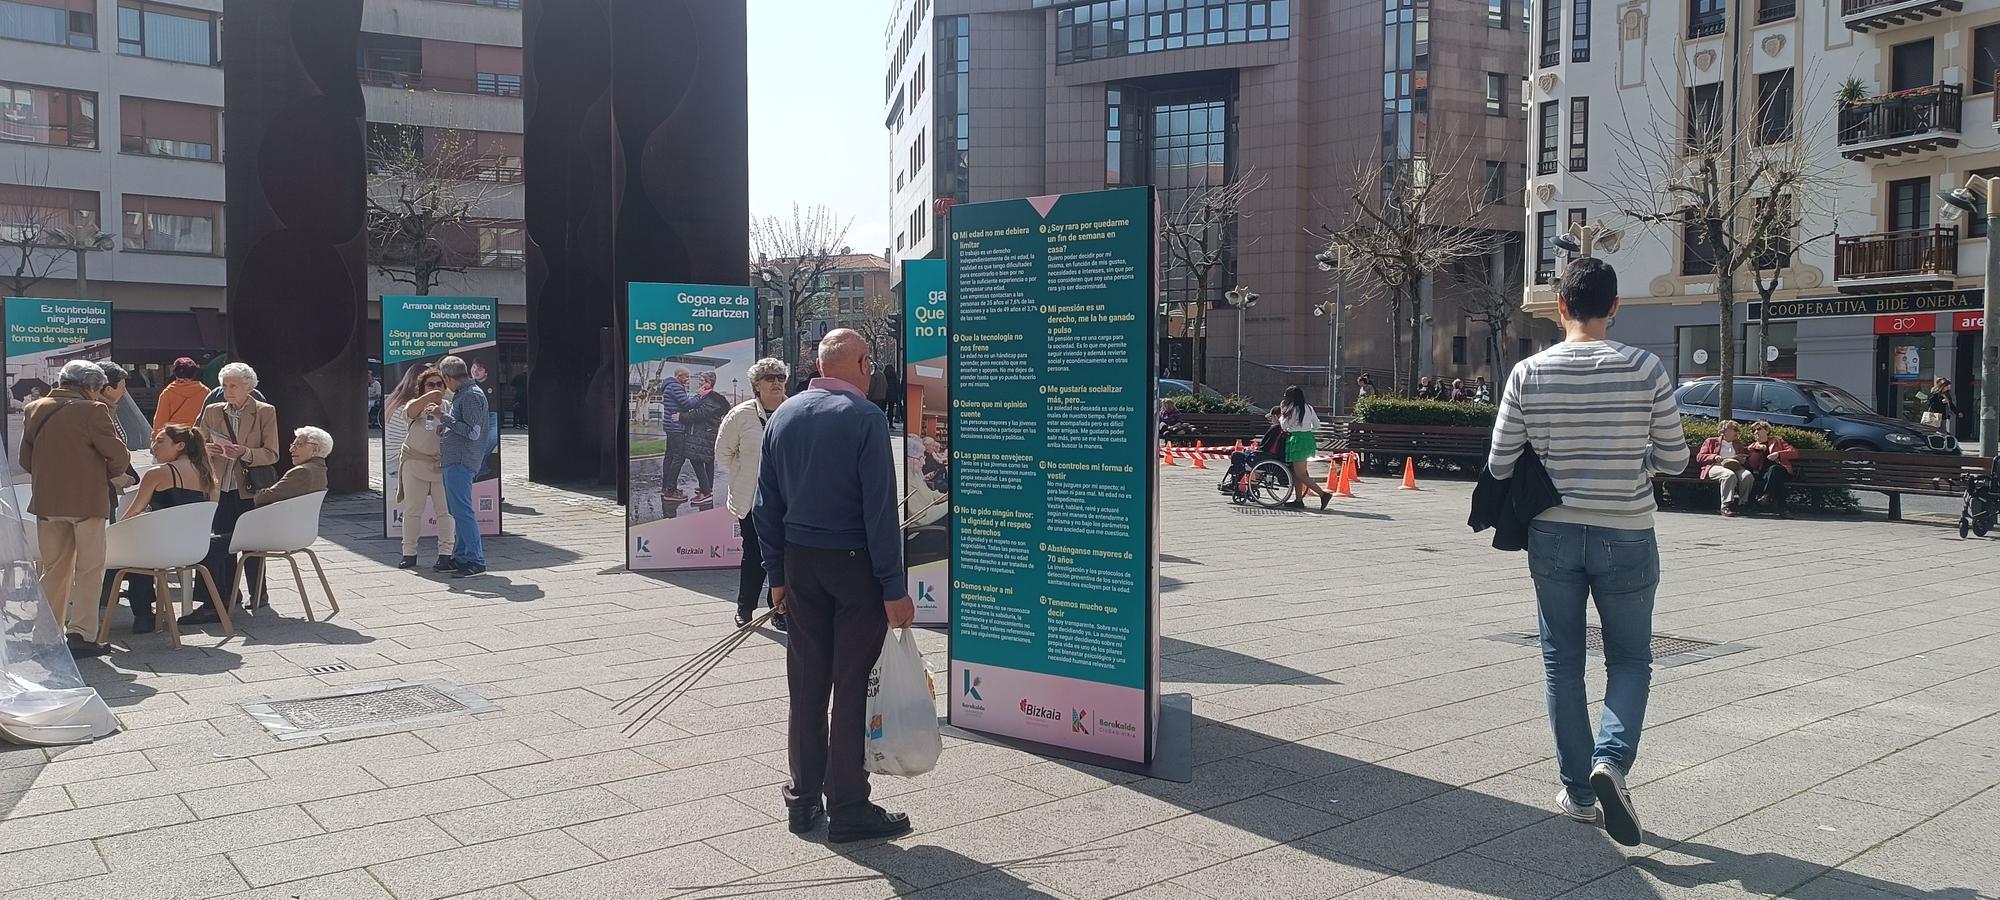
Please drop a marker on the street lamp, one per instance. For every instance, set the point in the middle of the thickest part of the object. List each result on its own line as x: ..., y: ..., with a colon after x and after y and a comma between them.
x: 776, y: 281
x: 1331, y: 261
x: 1958, y: 204
x: 1242, y: 298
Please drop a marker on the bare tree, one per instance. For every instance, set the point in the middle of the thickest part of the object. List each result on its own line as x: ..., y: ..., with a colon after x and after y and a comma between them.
x: 38, y: 232
x: 429, y: 191
x: 1200, y: 237
x: 1492, y: 300
x: 1733, y: 188
x: 1405, y: 222
x: 795, y: 255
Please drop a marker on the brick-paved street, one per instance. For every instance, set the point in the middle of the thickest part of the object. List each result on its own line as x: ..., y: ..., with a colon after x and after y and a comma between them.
x: 1357, y: 732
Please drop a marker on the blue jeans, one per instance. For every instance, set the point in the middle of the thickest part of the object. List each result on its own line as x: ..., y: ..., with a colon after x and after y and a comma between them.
x: 1620, y: 569
x: 458, y: 502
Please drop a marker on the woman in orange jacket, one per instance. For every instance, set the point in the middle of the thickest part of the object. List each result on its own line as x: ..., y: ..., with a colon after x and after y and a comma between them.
x: 181, y: 402
x: 1771, y: 460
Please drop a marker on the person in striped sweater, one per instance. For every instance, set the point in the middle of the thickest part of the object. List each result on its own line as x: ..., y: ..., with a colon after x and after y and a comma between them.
x: 1601, y: 417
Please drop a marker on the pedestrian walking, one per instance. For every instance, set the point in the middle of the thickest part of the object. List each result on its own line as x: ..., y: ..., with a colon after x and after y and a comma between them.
x: 833, y: 549
x: 739, y: 450
x: 1601, y: 416
x: 242, y: 433
x: 374, y: 400
x: 1301, y: 426
x: 71, y: 449
x: 181, y: 402
x: 1364, y: 386
x: 1726, y: 460
x: 1940, y: 407
x: 419, y: 472
x: 461, y: 450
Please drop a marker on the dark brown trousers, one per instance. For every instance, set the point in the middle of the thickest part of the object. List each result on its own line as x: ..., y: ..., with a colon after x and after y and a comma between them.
x: 833, y: 604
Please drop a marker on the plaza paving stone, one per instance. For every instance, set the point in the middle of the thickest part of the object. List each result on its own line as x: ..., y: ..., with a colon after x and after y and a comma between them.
x: 1357, y: 731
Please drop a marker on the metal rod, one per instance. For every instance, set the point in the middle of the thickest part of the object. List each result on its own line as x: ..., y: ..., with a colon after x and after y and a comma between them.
x: 1989, y: 349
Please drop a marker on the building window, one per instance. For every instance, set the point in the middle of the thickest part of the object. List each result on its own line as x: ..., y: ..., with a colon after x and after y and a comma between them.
x: 1189, y: 142
x: 1545, y: 247
x: 502, y: 245
x: 1111, y: 28
x: 1524, y: 348
x: 1909, y: 204
x: 1912, y: 65
x: 1551, y: 139
x: 1697, y: 258
x: 161, y: 128
x: 1496, y: 13
x: 1496, y: 94
x: 49, y: 116
x: 1579, y: 33
x: 1707, y: 18
x: 1458, y: 350
x: 1774, y: 107
x: 1496, y: 181
x: 46, y: 24
x: 1552, y: 32
x: 1704, y: 119
x: 1771, y: 230
x: 951, y: 110
x: 1776, y: 10
x: 25, y: 210
x: 1976, y: 225
x: 1778, y: 350
x: 166, y: 33
x: 172, y: 225
x: 1700, y: 354
x: 1985, y: 58
x: 499, y: 84
x: 1406, y: 37
x: 1579, y: 134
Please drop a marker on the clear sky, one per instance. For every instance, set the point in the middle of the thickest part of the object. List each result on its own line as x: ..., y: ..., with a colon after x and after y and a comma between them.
x: 816, y: 110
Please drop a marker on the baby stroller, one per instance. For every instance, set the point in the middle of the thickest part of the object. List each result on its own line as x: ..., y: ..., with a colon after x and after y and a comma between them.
x: 1982, y: 502
x: 1259, y: 474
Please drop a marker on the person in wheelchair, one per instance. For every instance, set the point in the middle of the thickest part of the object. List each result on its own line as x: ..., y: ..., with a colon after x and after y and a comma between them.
x: 1271, y: 446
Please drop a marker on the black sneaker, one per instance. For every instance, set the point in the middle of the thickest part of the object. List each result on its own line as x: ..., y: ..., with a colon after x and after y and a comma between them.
x: 803, y: 817
x: 876, y: 824
x: 445, y: 564
x: 469, y: 571
x: 778, y: 622
x: 409, y: 562
x: 144, y: 623
x: 1621, y: 821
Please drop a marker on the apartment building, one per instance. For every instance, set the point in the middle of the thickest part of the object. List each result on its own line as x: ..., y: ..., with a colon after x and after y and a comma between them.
x: 992, y: 99
x: 110, y: 122
x: 1883, y: 103
x: 855, y: 292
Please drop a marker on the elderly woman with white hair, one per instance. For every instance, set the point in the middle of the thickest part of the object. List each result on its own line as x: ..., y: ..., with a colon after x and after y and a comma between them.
x: 310, y: 448
x: 243, y: 445
x: 739, y: 448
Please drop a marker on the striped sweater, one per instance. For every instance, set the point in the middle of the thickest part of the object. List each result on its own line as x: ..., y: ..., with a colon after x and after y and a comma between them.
x: 1601, y: 416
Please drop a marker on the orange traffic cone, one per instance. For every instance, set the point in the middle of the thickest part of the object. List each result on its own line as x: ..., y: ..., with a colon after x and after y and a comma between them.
x: 1197, y: 460
x: 1167, y: 457
x: 1410, y: 474
x: 1354, y: 463
x: 1347, y: 478
x: 1334, y: 478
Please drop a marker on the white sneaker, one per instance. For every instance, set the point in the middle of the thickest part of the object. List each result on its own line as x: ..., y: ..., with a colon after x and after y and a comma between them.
x: 1589, y: 815
x: 1621, y: 820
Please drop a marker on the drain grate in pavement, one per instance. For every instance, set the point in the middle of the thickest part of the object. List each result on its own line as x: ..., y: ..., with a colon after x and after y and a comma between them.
x: 371, y: 706
x: 329, y: 669
x: 1668, y: 650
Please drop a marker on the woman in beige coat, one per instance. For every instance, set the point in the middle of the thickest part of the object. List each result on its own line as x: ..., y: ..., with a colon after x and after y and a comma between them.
x: 243, y: 447
x: 418, y: 474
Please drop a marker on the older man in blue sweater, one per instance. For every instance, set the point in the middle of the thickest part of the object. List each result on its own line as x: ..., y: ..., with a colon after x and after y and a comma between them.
x: 461, y: 451
x: 833, y: 548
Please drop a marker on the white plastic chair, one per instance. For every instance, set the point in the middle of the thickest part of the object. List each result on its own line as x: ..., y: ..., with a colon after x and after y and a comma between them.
x: 155, y: 543
x: 283, y: 529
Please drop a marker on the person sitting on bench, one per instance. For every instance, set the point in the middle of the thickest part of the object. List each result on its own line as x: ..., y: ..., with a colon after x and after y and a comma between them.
x: 1724, y: 459
x: 1771, y: 462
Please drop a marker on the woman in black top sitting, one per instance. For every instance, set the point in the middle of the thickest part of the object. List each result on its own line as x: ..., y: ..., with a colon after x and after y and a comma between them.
x: 182, y: 476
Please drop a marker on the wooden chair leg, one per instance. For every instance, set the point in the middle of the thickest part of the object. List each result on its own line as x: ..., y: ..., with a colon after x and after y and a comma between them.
x: 110, y: 603
x: 173, y: 613
x: 304, y: 598
x: 228, y: 630
x: 332, y: 603
x: 236, y: 581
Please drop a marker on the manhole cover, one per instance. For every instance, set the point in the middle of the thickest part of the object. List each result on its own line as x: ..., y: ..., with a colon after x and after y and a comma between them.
x: 1668, y: 651
x: 366, y: 707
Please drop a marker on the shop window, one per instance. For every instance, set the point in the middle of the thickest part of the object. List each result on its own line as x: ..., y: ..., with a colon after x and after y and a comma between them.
x: 1778, y: 353
x: 1700, y: 348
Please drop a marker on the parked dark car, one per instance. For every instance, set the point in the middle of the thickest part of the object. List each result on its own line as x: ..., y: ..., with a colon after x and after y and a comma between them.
x: 1847, y: 422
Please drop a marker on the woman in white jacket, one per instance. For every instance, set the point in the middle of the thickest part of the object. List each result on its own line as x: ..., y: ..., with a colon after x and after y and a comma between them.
x: 739, y: 450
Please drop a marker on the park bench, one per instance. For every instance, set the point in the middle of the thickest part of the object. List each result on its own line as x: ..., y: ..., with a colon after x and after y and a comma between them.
x: 1384, y: 446
x: 1225, y: 428
x: 1890, y: 474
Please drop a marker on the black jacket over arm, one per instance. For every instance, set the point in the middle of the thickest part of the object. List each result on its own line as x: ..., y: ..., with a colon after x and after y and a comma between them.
x: 1508, y: 505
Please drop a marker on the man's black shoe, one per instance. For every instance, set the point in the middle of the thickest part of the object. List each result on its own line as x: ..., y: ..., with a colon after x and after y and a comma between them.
x: 144, y: 623
x: 874, y: 825
x: 803, y: 817
x: 742, y: 619
x: 202, y: 615
x: 409, y: 562
x: 469, y: 571
x: 445, y: 564
x: 81, y: 647
x: 778, y: 622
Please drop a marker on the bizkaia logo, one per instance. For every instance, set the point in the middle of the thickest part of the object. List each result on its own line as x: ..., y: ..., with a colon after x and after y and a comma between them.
x: 1113, y: 726
x: 1076, y: 720
x: 691, y: 551
x: 1036, y: 711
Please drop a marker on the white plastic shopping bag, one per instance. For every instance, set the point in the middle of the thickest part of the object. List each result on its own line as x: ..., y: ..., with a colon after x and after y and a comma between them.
x: 902, y: 716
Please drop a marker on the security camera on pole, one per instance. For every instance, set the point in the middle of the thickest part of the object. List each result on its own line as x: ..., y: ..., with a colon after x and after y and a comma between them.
x: 1958, y: 204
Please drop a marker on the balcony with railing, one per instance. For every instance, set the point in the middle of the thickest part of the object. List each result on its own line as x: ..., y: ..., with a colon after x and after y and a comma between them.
x: 1896, y: 260
x: 1870, y: 15
x: 1905, y: 122
x: 491, y: 84
x: 1707, y: 23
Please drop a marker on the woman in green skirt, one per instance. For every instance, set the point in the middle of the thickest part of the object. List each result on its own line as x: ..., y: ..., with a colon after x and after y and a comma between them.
x: 1301, y: 443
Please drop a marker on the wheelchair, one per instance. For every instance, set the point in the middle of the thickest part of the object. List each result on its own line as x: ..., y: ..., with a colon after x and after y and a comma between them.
x: 1261, y: 479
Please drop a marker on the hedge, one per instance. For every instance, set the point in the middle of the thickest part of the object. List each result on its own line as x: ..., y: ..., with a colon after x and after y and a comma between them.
x: 1380, y: 410
x: 1209, y: 405
x: 1837, y: 501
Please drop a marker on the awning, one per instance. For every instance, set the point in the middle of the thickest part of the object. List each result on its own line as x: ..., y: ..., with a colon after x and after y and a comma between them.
x: 136, y: 332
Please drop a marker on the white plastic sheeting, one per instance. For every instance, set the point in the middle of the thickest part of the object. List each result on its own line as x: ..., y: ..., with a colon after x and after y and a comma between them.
x: 42, y: 698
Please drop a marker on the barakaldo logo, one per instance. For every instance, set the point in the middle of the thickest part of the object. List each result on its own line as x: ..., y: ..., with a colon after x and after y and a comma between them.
x: 1033, y: 711
x: 1116, y: 727
x: 1076, y: 717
